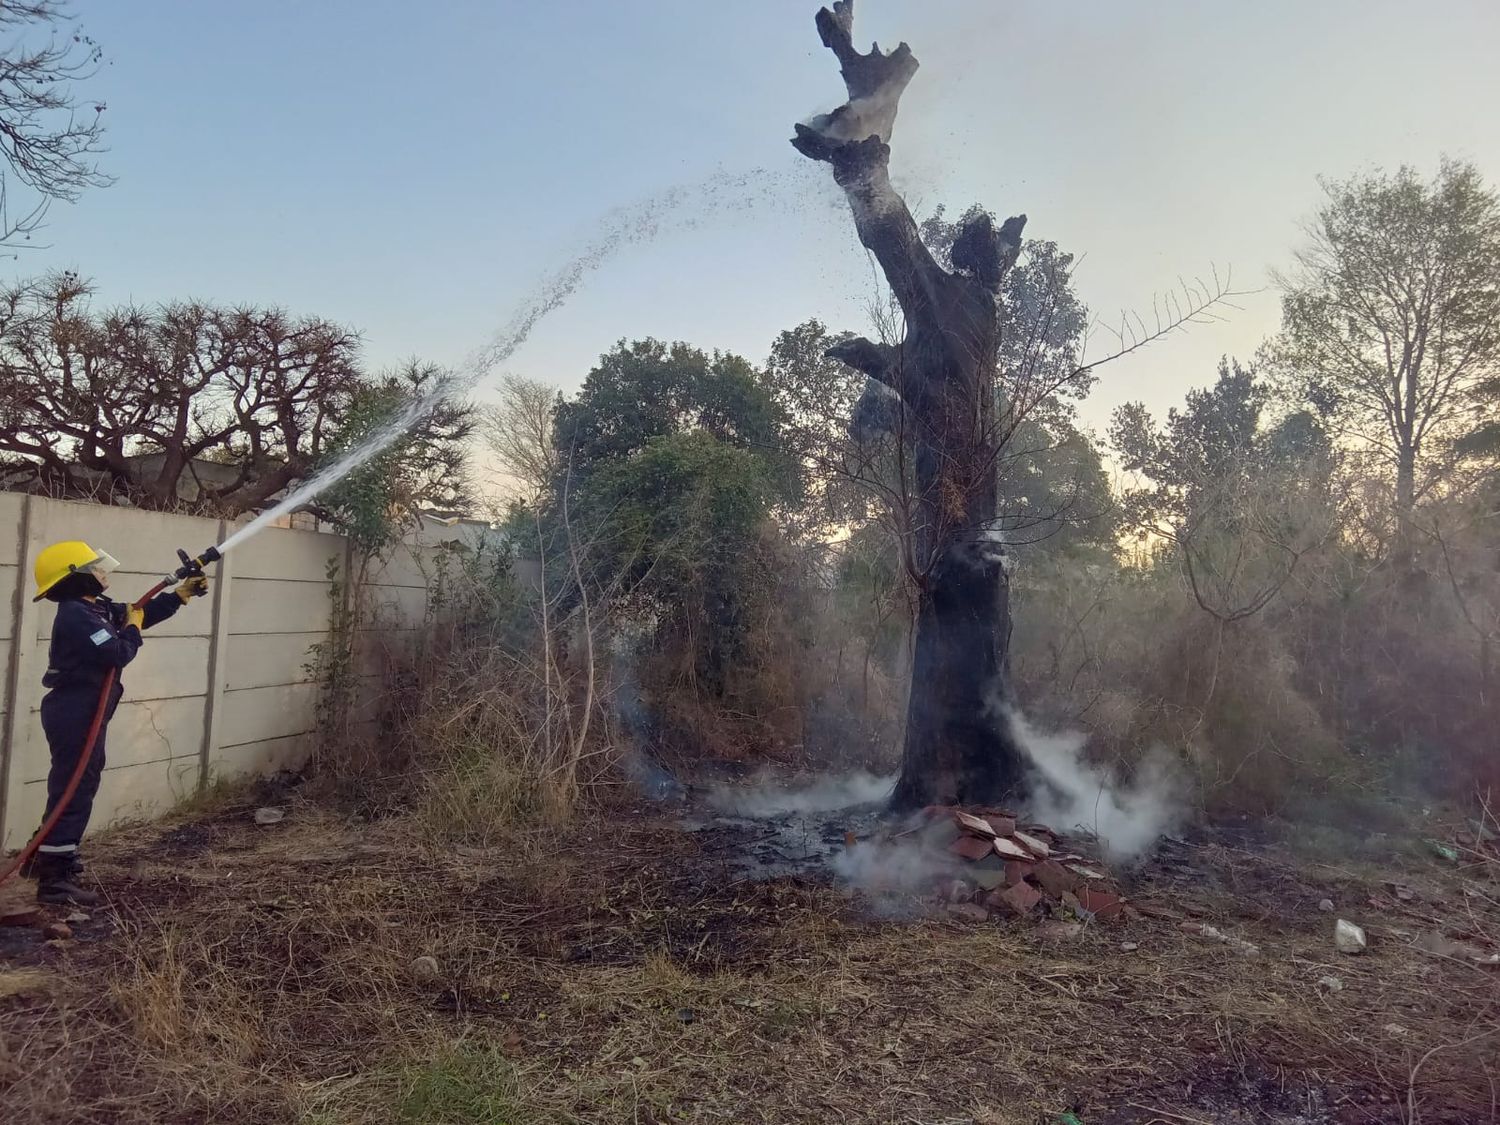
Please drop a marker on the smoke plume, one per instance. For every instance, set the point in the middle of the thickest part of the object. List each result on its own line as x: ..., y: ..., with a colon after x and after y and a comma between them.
x: 1069, y: 793
x: 825, y: 794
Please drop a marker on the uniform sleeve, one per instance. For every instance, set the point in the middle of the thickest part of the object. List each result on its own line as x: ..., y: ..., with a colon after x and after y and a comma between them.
x: 85, y: 639
x: 161, y: 607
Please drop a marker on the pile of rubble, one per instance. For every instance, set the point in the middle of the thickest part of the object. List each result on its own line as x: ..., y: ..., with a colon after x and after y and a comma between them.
x: 996, y: 867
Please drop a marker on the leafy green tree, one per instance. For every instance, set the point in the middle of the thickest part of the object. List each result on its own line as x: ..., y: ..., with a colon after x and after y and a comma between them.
x: 649, y: 389
x: 1391, y: 324
x: 1239, y: 502
x: 425, y: 468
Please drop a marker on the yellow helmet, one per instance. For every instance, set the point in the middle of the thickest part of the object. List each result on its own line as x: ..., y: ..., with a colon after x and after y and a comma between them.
x: 56, y: 562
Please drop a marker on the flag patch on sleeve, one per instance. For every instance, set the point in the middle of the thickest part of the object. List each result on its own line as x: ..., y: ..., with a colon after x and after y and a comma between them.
x: 100, y: 637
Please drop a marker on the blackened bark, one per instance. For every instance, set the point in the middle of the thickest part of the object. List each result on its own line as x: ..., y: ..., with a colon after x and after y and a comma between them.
x: 959, y: 747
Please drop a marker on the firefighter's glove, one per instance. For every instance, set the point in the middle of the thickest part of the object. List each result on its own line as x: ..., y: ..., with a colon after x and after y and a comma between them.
x: 135, y: 615
x: 194, y: 587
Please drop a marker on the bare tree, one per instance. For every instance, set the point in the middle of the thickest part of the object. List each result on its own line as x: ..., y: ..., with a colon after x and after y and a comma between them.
x: 47, y: 139
x: 518, y: 431
x: 183, y: 406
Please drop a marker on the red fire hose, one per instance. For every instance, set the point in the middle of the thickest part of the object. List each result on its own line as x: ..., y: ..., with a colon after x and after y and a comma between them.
x: 83, y: 758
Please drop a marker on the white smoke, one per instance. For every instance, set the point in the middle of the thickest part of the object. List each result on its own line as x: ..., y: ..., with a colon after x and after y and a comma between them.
x: 1068, y: 792
x: 900, y: 867
x: 763, y: 798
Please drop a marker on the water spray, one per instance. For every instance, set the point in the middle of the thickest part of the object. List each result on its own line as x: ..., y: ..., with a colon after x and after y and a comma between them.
x: 622, y: 227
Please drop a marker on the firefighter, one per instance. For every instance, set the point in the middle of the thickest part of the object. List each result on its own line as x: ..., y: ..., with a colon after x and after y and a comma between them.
x: 91, y: 635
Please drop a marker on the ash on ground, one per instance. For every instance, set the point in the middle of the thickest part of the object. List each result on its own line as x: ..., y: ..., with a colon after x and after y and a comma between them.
x: 974, y: 863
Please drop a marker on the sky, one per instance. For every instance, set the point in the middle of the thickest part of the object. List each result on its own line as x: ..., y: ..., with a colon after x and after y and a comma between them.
x: 414, y: 170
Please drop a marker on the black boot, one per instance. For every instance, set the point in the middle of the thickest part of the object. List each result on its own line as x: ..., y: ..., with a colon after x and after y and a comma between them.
x: 55, y: 884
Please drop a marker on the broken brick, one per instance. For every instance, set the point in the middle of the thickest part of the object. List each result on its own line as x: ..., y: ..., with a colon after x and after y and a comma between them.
x: 1101, y: 904
x: 1021, y: 898
x: 1056, y: 878
x: 1092, y: 874
x: 1009, y: 849
x: 1016, y: 871
x: 969, y: 912
x: 1004, y: 823
x: 1035, y: 846
x: 971, y: 847
x: 975, y: 824
x: 988, y: 871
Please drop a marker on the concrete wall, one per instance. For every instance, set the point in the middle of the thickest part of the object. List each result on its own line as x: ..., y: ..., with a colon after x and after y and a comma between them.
x: 221, y: 690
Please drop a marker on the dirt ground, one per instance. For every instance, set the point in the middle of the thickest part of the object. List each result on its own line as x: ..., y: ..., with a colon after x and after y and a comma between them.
x: 326, y: 970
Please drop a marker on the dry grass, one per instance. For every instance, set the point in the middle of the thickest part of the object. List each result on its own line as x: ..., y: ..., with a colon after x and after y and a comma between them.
x: 624, y: 974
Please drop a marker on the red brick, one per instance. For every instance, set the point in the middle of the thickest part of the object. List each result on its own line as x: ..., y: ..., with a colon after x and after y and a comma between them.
x: 1056, y: 878
x: 975, y: 824
x: 1084, y: 871
x: 1004, y: 823
x: 1009, y: 849
x: 1016, y: 871
x: 1022, y: 898
x: 1035, y: 846
x: 969, y: 912
x: 971, y: 847
x: 1101, y: 904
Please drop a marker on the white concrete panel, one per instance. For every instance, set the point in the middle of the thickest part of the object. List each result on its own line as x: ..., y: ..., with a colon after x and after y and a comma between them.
x: 279, y: 552
x: 261, y: 605
x: 268, y: 659
x: 11, y: 504
x: 10, y: 575
x: 259, y: 758
x: 130, y: 792
x: 257, y: 714
x: 394, y: 605
x: 141, y: 540
x: 406, y: 565
x: 139, y: 732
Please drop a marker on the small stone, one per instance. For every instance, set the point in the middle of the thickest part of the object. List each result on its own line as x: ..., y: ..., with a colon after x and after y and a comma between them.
x: 425, y: 968
x: 1128, y: 947
x: 77, y: 918
x: 269, y: 815
x: 1396, y: 1029
x: 1331, y: 984
x: 1348, y: 938
x: 21, y: 916
x: 1326, y: 906
x: 57, y: 931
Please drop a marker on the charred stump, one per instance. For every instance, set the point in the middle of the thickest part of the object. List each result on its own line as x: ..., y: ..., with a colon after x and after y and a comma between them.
x: 935, y: 393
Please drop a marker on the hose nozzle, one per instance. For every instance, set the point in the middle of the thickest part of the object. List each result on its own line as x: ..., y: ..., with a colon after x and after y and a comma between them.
x: 192, y: 567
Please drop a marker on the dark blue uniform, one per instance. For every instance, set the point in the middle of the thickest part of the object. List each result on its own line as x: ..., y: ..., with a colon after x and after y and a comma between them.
x: 89, y: 638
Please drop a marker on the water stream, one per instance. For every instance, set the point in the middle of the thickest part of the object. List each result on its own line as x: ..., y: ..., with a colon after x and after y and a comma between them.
x: 682, y: 208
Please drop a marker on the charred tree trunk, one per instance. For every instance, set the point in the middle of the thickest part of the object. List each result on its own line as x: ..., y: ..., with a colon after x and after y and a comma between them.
x: 939, y: 383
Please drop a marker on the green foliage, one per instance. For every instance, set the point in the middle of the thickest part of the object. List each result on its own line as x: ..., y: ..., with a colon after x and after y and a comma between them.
x: 648, y: 389
x: 1055, y: 496
x: 425, y: 467
x: 1389, y: 321
x: 817, y: 396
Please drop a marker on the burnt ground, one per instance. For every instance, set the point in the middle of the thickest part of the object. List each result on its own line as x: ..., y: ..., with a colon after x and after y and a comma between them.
x: 658, y: 966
